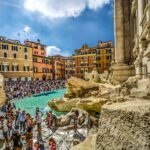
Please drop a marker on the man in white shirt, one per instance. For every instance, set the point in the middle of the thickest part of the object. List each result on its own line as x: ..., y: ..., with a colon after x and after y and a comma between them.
x: 38, y: 119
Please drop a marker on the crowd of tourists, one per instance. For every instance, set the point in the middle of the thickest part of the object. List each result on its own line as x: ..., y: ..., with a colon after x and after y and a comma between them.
x: 19, y: 129
x: 16, y: 126
x: 16, y: 90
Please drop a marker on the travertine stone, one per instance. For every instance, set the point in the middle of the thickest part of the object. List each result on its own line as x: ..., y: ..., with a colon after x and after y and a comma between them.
x: 119, y: 28
x: 93, y: 76
x: 125, y: 126
x: 88, y: 144
x: 77, y: 87
x: 120, y: 70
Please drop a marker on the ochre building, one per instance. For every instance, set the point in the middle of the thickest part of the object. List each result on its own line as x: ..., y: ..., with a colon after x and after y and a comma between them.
x: 88, y: 58
x: 42, y: 65
x: 69, y: 67
x: 58, y: 67
x: 15, y: 60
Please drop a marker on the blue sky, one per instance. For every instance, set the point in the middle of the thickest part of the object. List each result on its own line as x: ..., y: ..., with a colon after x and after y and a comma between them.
x: 63, y: 25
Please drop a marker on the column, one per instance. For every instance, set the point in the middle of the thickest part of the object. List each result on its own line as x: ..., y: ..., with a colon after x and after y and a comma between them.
x: 119, y: 32
x: 120, y: 70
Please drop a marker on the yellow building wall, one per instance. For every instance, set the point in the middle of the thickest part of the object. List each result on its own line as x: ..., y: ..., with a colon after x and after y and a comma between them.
x: 19, y: 61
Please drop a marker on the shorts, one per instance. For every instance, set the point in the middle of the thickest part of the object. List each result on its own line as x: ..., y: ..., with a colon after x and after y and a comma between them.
x: 38, y: 125
x: 5, y: 135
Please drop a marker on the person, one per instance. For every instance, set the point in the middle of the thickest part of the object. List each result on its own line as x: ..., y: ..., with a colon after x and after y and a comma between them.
x: 9, y: 125
x: 29, y: 121
x: 36, y: 146
x: 14, y: 106
x: 40, y: 139
x: 38, y: 119
x: 52, y: 144
x: 5, y: 130
x: 17, y: 118
x: 4, y: 108
x: 22, y: 119
x: 54, y: 120
x: 39, y: 135
x: 16, y: 137
x: 49, y: 119
x: 29, y: 139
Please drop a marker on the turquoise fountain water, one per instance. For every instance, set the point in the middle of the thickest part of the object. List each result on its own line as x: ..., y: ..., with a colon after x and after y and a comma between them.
x: 40, y: 100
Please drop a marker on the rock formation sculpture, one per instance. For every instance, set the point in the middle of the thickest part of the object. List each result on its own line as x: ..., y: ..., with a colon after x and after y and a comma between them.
x: 80, y: 94
x: 66, y: 120
x: 93, y: 76
x: 78, y: 88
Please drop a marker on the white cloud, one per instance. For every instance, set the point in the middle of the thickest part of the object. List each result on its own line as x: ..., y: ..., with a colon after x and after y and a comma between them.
x: 62, y: 8
x: 27, y: 29
x: 95, y: 4
x: 54, y: 50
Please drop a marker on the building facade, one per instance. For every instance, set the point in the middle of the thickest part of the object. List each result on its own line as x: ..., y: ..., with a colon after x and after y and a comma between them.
x: 42, y: 65
x: 104, y: 56
x: 132, y: 28
x: 69, y: 67
x: 58, y: 67
x: 15, y: 60
x: 88, y: 58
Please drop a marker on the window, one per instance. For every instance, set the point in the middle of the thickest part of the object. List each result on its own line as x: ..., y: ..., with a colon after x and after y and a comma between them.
x: 15, y: 68
x: 42, y: 47
x: 5, y: 68
x: 5, y: 47
x: 15, y: 55
x: 81, y: 71
x: 35, y: 69
x: 98, y: 58
x: 5, y: 55
x: 98, y: 51
x: 47, y: 62
x: 43, y: 69
x: 36, y: 46
x: 34, y: 59
x: 25, y: 50
x: 14, y: 48
x: 26, y: 68
x: 35, y: 52
x: 108, y: 57
x: 108, y: 51
x: 25, y: 56
x: 98, y: 65
x: 94, y: 64
x: 43, y: 60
